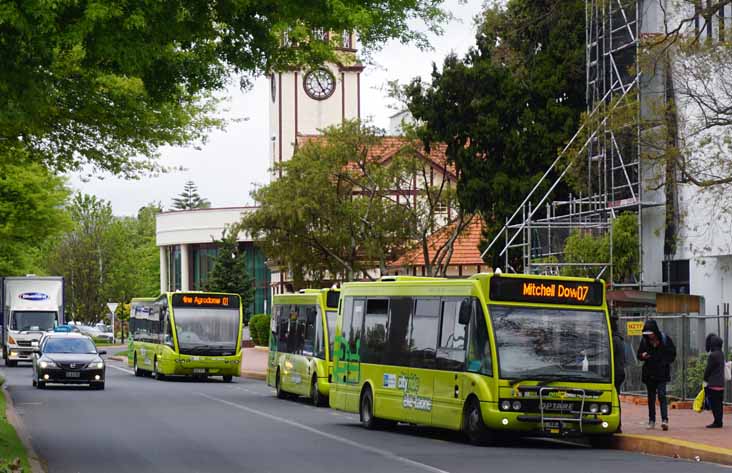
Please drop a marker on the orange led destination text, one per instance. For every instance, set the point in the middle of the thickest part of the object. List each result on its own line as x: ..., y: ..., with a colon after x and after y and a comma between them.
x: 578, y: 293
x: 197, y: 300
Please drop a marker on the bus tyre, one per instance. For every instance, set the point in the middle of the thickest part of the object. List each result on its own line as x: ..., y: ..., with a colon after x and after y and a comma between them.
x: 278, y: 387
x: 137, y: 370
x: 228, y: 378
x: 473, y: 425
x: 317, y: 398
x: 366, y: 411
x: 156, y: 374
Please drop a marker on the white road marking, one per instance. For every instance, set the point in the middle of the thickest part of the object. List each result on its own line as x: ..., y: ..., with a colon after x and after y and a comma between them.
x: 120, y: 369
x: 384, y: 453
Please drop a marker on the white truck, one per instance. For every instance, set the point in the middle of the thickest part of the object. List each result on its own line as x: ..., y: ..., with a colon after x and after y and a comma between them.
x: 30, y: 306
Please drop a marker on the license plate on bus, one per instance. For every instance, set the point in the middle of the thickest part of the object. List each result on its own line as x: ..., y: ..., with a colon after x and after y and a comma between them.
x: 72, y: 374
x: 199, y: 370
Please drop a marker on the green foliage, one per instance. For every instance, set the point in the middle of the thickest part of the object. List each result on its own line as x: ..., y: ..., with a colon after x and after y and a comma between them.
x: 259, y: 329
x: 229, y: 273
x: 13, y: 457
x: 31, y: 215
x: 586, y: 248
x: 506, y: 108
x: 108, y: 83
x: 105, y: 258
x: 190, y: 199
x: 694, y: 377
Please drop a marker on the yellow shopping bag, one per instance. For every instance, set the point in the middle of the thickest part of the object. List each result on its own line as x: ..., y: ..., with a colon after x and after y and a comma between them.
x: 699, y: 402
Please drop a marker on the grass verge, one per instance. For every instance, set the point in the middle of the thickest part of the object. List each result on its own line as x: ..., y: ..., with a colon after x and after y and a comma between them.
x: 120, y: 353
x: 11, y: 448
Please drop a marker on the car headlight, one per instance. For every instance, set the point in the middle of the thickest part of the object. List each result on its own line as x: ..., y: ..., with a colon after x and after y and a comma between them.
x: 47, y: 364
x: 96, y: 365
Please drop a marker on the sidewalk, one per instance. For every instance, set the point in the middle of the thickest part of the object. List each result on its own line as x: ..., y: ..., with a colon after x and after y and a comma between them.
x: 687, y: 436
x: 254, y: 362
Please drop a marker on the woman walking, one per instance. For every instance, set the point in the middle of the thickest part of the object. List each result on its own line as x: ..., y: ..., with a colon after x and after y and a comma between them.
x: 714, y: 378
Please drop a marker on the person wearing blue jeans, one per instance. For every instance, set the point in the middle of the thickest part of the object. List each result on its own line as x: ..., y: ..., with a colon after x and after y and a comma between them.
x: 657, y: 352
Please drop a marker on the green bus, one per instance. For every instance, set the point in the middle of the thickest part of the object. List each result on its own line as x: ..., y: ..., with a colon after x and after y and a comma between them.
x: 301, y: 343
x: 186, y: 334
x: 492, y: 354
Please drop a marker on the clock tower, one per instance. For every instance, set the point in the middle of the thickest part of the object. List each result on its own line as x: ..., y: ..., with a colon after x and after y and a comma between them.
x: 302, y: 102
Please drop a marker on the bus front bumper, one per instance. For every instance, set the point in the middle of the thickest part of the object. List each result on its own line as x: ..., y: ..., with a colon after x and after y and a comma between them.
x: 185, y: 365
x: 531, y: 423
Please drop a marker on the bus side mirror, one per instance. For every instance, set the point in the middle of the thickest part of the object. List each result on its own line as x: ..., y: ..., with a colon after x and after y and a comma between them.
x: 466, y: 309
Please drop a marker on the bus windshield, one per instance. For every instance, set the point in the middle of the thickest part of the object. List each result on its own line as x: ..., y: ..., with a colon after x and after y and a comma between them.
x: 206, y: 327
x: 36, y: 320
x: 548, y: 344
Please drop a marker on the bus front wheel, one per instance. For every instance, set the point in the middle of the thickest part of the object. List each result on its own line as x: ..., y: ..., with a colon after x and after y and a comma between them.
x: 156, y: 373
x: 366, y: 412
x: 136, y: 369
x: 317, y: 398
x: 473, y: 426
x: 228, y: 378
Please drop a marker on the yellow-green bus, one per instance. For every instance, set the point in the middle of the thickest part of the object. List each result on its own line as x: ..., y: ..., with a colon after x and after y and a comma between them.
x: 301, y: 343
x: 485, y: 355
x: 186, y: 333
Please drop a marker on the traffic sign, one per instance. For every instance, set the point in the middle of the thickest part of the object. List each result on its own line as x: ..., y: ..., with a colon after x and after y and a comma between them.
x: 112, y: 308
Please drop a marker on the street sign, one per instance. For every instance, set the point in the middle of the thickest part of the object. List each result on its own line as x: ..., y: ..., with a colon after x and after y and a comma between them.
x: 112, y: 308
x: 635, y: 328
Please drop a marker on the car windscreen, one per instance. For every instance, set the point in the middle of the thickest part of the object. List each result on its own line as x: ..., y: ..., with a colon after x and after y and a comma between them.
x: 541, y: 343
x: 209, y: 327
x: 69, y: 345
x: 35, y: 320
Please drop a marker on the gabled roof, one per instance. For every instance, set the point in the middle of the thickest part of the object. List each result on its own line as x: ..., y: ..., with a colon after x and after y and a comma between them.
x: 465, y: 248
x: 389, y: 146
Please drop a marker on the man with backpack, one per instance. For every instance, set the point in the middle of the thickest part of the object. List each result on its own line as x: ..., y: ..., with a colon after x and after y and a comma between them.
x: 657, y: 352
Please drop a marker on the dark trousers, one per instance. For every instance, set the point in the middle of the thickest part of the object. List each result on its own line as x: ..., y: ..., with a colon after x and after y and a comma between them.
x: 715, y: 401
x: 657, y: 389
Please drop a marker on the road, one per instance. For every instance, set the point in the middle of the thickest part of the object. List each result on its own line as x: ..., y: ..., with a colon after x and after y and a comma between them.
x: 143, y: 425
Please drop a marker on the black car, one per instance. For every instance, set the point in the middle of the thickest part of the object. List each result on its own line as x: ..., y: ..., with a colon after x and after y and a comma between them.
x: 68, y: 358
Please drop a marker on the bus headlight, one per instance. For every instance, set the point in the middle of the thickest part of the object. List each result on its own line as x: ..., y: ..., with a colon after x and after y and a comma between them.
x: 516, y: 405
x: 505, y: 405
x: 594, y: 408
x: 605, y: 409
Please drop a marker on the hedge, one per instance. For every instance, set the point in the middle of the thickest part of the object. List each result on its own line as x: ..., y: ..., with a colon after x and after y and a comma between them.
x: 259, y: 329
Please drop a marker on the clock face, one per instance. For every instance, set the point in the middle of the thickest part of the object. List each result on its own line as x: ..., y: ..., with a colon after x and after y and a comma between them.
x: 273, y: 87
x: 319, y: 84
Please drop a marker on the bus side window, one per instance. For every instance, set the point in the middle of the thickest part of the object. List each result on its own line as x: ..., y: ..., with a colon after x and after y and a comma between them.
x: 354, y: 332
x: 423, y: 333
x: 377, y: 315
x: 168, y: 340
x: 451, y: 351
x: 397, y: 349
x: 283, y: 324
x: 479, y: 350
x: 308, y: 315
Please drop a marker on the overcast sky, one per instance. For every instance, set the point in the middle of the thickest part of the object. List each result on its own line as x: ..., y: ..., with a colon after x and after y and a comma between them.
x: 228, y: 166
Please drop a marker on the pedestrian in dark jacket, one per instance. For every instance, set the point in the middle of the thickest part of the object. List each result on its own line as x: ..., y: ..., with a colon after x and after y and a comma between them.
x: 657, y: 352
x: 714, y: 378
x: 618, y: 360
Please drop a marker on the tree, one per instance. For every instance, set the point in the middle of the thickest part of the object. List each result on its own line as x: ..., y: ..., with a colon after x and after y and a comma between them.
x: 229, y: 273
x: 31, y: 215
x: 507, y: 107
x: 341, y: 210
x: 104, y: 258
x: 189, y: 198
x: 107, y: 84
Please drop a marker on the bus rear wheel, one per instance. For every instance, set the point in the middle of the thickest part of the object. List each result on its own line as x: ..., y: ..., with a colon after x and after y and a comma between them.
x: 278, y: 387
x: 317, y: 398
x: 473, y: 426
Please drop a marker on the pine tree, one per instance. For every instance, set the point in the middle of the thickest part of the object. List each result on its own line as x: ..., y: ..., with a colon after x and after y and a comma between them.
x: 190, y: 199
x: 229, y: 273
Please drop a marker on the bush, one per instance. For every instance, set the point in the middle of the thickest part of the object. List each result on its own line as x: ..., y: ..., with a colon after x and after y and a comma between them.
x: 259, y: 329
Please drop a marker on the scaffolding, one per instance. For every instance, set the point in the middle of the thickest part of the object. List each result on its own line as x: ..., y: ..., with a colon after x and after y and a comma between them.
x: 610, y: 154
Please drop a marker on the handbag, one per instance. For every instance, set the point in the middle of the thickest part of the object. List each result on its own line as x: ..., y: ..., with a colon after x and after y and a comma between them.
x: 698, y: 405
x: 728, y: 371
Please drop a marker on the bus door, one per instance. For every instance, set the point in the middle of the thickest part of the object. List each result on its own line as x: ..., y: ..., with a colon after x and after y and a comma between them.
x: 419, y: 388
x: 351, y: 351
x: 450, y: 363
x: 303, y: 366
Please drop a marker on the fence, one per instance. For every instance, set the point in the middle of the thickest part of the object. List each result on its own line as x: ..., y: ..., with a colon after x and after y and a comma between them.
x: 688, y: 333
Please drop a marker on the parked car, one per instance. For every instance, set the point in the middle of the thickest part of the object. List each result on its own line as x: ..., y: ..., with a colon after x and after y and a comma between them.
x: 68, y: 358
